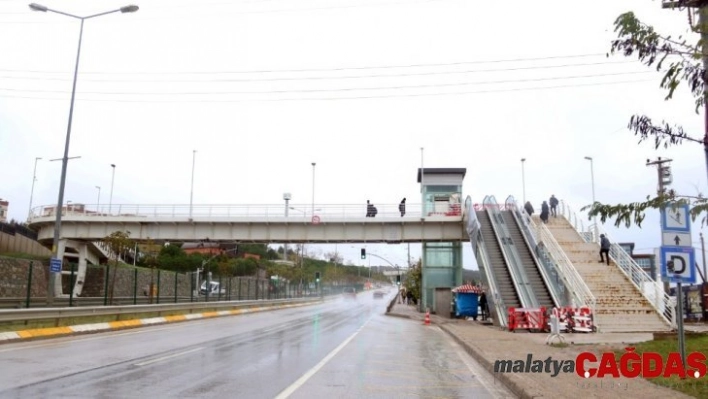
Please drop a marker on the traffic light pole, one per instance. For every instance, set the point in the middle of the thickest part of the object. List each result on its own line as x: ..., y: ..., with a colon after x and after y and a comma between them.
x: 660, y: 168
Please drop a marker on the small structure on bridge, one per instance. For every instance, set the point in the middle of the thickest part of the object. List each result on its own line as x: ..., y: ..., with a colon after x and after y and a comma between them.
x: 442, y: 261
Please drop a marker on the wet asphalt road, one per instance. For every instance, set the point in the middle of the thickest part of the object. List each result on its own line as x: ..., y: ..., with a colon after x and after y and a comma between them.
x: 341, y: 348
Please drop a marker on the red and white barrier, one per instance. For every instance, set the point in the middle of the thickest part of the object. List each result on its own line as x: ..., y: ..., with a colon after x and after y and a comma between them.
x: 527, y: 319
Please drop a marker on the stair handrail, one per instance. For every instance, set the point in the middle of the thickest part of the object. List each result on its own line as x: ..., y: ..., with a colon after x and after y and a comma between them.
x: 484, y: 264
x: 641, y: 280
x: 518, y: 275
x: 549, y: 271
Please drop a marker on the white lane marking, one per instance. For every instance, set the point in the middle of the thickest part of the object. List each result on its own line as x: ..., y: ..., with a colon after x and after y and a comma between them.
x: 302, y: 380
x: 159, y: 359
x: 62, y: 341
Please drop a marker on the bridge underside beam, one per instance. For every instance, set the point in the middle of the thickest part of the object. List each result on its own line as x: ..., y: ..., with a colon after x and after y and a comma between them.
x: 394, y: 231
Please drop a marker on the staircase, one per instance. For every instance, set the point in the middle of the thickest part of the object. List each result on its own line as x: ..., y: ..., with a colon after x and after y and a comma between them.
x: 542, y: 294
x: 620, y: 307
x: 498, y: 266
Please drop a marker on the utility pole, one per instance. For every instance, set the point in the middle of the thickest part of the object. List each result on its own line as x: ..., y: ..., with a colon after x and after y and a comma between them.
x: 702, y: 6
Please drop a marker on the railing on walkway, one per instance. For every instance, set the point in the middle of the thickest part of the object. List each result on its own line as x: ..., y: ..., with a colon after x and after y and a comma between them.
x: 484, y: 263
x: 652, y: 290
x: 295, y: 212
x: 547, y: 265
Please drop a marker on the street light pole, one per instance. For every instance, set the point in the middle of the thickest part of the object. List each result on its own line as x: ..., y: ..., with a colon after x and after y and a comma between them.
x: 313, y: 189
x: 286, y: 197
x: 523, y: 179
x: 592, y: 181
x: 113, y: 178
x: 54, y: 281
x: 98, y: 200
x: 191, y: 192
x: 34, y: 179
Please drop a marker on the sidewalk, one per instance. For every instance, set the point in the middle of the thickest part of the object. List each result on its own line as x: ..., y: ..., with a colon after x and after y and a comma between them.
x: 487, y: 344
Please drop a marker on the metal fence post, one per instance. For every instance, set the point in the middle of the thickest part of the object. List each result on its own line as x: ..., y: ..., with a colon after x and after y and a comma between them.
x: 239, y: 288
x: 105, y: 285
x: 228, y: 293
x: 71, y: 286
x: 218, y: 298
x: 176, y: 275
x: 158, y: 286
x: 135, y: 286
x: 29, y: 285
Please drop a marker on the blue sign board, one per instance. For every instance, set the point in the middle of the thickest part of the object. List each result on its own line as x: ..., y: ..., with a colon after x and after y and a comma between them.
x: 676, y: 218
x: 684, y: 261
x: 55, y: 265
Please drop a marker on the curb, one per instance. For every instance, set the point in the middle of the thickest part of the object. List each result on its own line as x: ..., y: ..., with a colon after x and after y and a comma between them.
x: 52, y: 332
x: 486, y: 364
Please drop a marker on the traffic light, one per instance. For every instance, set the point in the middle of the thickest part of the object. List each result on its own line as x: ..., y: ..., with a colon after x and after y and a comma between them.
x: 398, y: 280
x: 317, y: 277
x: 363, y: 253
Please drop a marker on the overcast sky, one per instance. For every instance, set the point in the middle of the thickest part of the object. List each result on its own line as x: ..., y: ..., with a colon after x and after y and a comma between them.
x: 263, y: 88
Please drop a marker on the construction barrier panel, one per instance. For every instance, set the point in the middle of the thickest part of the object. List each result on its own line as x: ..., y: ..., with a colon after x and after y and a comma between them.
x: 574, y: 320
x: 528, y: 319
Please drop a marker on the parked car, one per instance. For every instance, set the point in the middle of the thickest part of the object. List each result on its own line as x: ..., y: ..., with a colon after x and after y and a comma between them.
x: 349, y: 293
x: 215, y: 289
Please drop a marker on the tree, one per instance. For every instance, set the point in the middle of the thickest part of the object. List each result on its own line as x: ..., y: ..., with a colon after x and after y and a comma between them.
x: 681, y: 61
x: 118, y: 242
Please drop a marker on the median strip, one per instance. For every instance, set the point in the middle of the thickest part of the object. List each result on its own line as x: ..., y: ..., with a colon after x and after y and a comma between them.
x: 132, y: 323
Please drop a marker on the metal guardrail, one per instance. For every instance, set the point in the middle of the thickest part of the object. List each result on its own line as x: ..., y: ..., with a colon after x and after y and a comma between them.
x: 652, y: 290
x: 296, y: 212
x: 20, y: 315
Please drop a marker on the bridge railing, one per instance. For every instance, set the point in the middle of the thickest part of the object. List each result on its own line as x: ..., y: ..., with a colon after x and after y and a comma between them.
x: 293, y: 211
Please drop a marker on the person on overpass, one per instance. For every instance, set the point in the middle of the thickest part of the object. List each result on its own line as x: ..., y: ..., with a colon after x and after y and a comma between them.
x: 544, y: 212
x: 554, y: 204
x: 402, y: 207
x: 528, y: 208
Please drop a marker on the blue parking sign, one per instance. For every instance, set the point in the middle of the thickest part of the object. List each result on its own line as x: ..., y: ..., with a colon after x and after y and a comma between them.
x: 683, y: 260
x: 55, y: 265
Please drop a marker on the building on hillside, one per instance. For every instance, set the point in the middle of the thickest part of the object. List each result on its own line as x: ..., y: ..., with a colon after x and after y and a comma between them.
x: 646, y: 261
x: 204, y: 248
x: 4, y: 205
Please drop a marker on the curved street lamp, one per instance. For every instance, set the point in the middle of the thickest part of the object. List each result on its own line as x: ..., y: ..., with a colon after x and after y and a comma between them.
x: 54, y: 281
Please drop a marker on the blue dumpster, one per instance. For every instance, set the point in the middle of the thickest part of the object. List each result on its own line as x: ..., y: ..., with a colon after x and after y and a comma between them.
x: 467, y: 301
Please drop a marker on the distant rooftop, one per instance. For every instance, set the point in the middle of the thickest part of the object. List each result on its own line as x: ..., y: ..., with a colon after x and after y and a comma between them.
x: 443, y: 171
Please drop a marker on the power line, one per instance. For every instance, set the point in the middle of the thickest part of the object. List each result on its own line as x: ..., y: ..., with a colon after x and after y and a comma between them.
x: 400, y: 87
x: 337, y: 69
x: 594, y: 84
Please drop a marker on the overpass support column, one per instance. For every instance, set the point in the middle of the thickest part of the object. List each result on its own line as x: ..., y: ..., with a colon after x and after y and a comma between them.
x: 80, y: 276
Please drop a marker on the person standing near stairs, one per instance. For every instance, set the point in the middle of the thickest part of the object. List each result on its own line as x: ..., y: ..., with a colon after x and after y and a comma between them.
x: 604, y: 249
x: 554, y: 204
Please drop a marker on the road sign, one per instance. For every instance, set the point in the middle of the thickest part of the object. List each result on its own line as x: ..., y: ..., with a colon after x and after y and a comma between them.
x: 55, y: 265
x: 684, y: 260
x: 675, y: 239
x: 676, y: 219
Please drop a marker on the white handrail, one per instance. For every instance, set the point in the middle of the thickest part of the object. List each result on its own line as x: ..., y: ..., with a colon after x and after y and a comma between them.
x: 652, y: 290
x: 295, y: 212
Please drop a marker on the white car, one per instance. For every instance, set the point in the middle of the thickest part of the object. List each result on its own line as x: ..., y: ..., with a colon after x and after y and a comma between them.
x: 215, y: 290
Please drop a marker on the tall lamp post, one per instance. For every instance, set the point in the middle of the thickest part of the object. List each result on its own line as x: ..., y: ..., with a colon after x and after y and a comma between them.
x: 34, y: 179
x: 286, y: 197
x: 54, y: 281
x: 98, y: 200
x: 523, y: 179
x: 592, y: 182
x: 313, y: 189
x: 191, y: 191
x: 113, y: 178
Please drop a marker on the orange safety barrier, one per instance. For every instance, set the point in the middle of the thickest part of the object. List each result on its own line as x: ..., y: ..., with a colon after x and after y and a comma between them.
x: 527, y: 319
